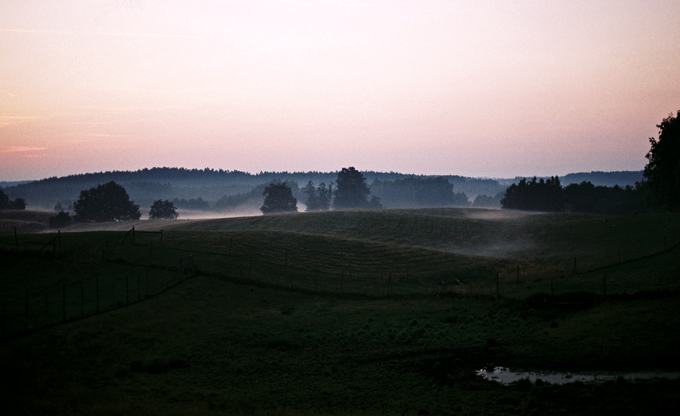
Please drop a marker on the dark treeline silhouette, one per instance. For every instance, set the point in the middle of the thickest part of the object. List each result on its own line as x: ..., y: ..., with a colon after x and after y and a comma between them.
x: 222, y: 189
x: 418, y: 192
x: 535, y: 195
x: 550, y: 196
x: 6, y: 203
x: 598, y: 178
x: 236, y: 191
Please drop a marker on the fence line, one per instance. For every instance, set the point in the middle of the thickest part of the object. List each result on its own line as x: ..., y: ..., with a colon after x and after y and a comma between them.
x: 76, y: 302
x: 36, y: 312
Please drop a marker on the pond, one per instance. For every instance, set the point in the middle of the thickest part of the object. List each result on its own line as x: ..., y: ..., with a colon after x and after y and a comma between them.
x: 506, y: 376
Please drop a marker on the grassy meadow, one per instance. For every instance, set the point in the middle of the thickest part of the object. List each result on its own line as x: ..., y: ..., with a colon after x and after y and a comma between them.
x: 340, y: 313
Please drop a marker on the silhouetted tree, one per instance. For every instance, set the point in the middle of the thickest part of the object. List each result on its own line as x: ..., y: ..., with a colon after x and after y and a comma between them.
x: 318, y: 198
x: 107, y: 202
x: 312, y: 196
x: 662, y: 173
x: 4, y: 200
x: 278, y: 197
x: 19, y: 203
x: 6, y: 203
x: 62, y: 219
x: 352, y: 192
x: 163, y: 209
x: 535, y: 195
x: 325, y: 195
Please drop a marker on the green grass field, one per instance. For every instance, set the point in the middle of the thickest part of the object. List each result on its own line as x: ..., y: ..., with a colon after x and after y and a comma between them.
x: 342, y: 313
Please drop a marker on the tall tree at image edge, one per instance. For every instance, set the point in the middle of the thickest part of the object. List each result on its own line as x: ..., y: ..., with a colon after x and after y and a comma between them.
x: 662, y: 173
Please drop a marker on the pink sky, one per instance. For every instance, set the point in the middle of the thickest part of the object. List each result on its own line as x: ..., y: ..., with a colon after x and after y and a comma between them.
x: 475, y: 88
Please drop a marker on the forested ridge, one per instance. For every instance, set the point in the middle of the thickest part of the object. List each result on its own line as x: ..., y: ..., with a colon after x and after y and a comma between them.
x: 226, y: 190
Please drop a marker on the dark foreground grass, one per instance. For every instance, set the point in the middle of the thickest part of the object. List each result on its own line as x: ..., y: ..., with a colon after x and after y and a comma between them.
x: 213, y: 347
x: 236, y: 340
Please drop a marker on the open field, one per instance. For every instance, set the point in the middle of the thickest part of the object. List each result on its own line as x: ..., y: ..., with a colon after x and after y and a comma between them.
x: 356, y: 312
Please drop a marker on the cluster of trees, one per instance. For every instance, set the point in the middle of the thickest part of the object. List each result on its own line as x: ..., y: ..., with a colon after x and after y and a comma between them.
x: 351, y: 192
x: 542, y: 195
x: 319, y: 198
x: 6, y: 203
x: 659, y: 189
x: 109, y: 202
x: 535, y: 195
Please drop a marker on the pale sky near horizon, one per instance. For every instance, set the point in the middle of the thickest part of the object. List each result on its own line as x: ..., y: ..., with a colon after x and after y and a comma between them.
x: 477, y: 88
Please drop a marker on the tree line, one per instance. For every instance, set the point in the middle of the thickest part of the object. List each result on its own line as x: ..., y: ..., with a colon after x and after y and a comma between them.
x: 6, y: 203
x: 659, y: 188
x: 550, y: 196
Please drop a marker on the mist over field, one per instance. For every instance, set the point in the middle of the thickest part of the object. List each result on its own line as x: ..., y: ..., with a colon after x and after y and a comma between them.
x: 339, y: 207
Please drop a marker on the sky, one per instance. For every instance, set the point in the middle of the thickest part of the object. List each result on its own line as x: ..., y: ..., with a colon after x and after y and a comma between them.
x: 484, y: 88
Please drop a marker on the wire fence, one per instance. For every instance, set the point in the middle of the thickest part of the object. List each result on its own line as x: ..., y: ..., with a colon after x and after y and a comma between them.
x: 150, y: 266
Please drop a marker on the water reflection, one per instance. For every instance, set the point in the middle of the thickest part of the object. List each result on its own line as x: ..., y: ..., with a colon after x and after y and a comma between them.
x: 505, y: 376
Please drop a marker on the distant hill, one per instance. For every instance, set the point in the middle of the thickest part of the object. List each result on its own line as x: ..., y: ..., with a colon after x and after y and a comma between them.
x: 621, y: 178
x: 597, y: 178
x: 227, y: 191
x: 146, y: 185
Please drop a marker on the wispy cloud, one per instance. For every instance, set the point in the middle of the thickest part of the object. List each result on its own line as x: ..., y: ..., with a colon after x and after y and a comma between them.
x: 11, y: 120
x: 21, y: 149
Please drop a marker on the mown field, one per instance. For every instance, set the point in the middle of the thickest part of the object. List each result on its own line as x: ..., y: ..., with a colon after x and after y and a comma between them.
x: 355, y: 312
